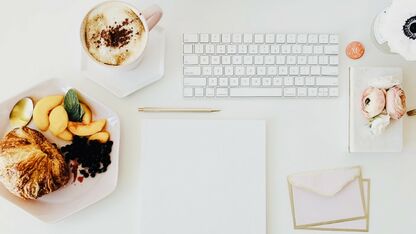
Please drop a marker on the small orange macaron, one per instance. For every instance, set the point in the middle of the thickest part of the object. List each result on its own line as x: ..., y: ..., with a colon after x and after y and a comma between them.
x: 355, y: 50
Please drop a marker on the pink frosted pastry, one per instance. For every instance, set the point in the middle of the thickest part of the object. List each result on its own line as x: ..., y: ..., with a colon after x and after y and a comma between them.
x: 395, y: 102
x: 373, y: 101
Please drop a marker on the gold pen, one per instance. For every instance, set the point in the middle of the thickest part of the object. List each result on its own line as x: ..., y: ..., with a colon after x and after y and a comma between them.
x: 189, y: 110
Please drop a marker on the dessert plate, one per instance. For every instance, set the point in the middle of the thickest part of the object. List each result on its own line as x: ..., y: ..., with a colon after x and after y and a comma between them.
x: 124, y: 83
x: 75, y: 196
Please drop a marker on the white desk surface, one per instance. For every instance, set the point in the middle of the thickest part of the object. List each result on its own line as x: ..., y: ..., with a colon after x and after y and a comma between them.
x: 39, y: 40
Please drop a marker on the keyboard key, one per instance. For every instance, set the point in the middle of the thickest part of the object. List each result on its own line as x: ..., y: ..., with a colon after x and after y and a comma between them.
x: 188, y: 92
x: 218, y: 70
x: 255, y: 81
x: 248, y: 59
x: 312, y: 60
x: 231, y: 49
x: 242, y: 49
x: 277, y: 81
x: 289, y: 92
x: 264, y: 49
x: 229, y: 70
x: 302, y: 60
x: 210, y: 92
x: 280, y: 38
x: 323, y: 38
x: 261, y: 71
x: 237, y: 38
x: 283, y: 70
x: 212, y: 81
x: 240, y: 71
x: 223, y: 81
x: 291, y: 38
x: 302, y: 92
x: 250, y: 70
x: 271, y: 71
x: 291, y: 60
x: 269, y: 59
x: 304, y: 70
x: 187, y: 48
x: 191, y: 71
x: 215, y: 60
x: 199, y: 49
x: 310, y: 80
x: 222, y: 92
x: 274, y: 49
x: 286, y: 49
x: 234, y: 81
x: 255, y: 92
x: 199, y: 92
x: 315, y: 70
x: 190, y: 59
x: 280, y: 59
x: 296, y: 49
x: 215, y: 37
x: 329, y: 71
x: 307, y: 49
x: 333, y: 60
x: 302, y: 38
x: 258, y: 59
x: 207, y: 70
x: 323, y: 92
x: 248, y: 38
x: 294, y: 71
x: 312, y: 92
x: 318, y: 49
x: 312, y: 39
x: 326, y: 81
x: 245, y: 81
x: 226, y: 38
x: 252, y: 49
x: 266, y: 81
x: 323, y: 60
x: 331, y: 49
x: 225, y: 59
x: 190, y: 37
x: 204, y: 37
x: 269, y: 38
x: 333, y: 39
x: 299, y: 81
x: 221, y: 49
x: 194, y: 81
x: 237, y: 59
x: 289, y: 81
x: 204, y: 60
x: 259, y: 38
x: 209, y: 49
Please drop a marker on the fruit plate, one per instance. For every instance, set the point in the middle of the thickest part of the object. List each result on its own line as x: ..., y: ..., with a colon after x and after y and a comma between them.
x: 75, y: 196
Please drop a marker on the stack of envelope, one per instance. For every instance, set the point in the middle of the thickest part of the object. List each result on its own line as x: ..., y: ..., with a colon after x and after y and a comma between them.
x: 332, y: 200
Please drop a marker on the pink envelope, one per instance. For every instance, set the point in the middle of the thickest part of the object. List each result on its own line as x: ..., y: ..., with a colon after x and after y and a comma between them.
x: 328, y: 197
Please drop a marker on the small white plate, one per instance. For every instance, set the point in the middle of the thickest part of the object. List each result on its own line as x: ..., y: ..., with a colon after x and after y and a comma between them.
x: 124, y: 83
x: 74, y: 196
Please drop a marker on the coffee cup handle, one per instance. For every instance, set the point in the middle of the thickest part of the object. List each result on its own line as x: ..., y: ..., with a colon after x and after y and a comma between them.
x: 152, y: 15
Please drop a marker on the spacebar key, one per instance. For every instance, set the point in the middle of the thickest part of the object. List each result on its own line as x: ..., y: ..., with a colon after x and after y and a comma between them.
x: 255, y: 92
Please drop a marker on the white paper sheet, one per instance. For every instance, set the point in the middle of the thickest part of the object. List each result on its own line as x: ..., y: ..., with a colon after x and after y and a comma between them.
x: 205, y: 177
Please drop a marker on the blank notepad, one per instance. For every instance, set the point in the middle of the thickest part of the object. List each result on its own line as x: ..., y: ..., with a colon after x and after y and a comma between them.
x: 203, y: 177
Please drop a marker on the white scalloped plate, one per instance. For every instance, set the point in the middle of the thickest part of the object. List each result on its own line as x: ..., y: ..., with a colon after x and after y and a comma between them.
x: 74, y: 196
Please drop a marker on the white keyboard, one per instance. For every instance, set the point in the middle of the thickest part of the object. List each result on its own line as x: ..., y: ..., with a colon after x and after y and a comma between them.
x: 260, y: 65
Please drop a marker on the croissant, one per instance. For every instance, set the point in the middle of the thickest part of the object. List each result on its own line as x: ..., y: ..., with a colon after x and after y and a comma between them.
x: 30, y: 166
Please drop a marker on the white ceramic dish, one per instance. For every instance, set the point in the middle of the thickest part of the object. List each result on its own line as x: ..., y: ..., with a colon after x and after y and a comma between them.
x: 124, y: 83
x: 74, y: 196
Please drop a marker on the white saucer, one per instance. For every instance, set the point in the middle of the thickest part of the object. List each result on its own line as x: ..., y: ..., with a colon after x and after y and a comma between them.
x: 124, y: 83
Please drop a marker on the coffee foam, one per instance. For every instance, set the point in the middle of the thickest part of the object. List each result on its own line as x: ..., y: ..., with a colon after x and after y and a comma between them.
x: 100, y: 21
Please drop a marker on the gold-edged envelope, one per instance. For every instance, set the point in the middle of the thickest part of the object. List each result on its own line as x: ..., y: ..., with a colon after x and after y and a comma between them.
x: 336, y: 200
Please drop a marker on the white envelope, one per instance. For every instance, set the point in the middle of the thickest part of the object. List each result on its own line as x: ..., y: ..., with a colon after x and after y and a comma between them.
x: 359, y: 225
x: 327, y: 197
